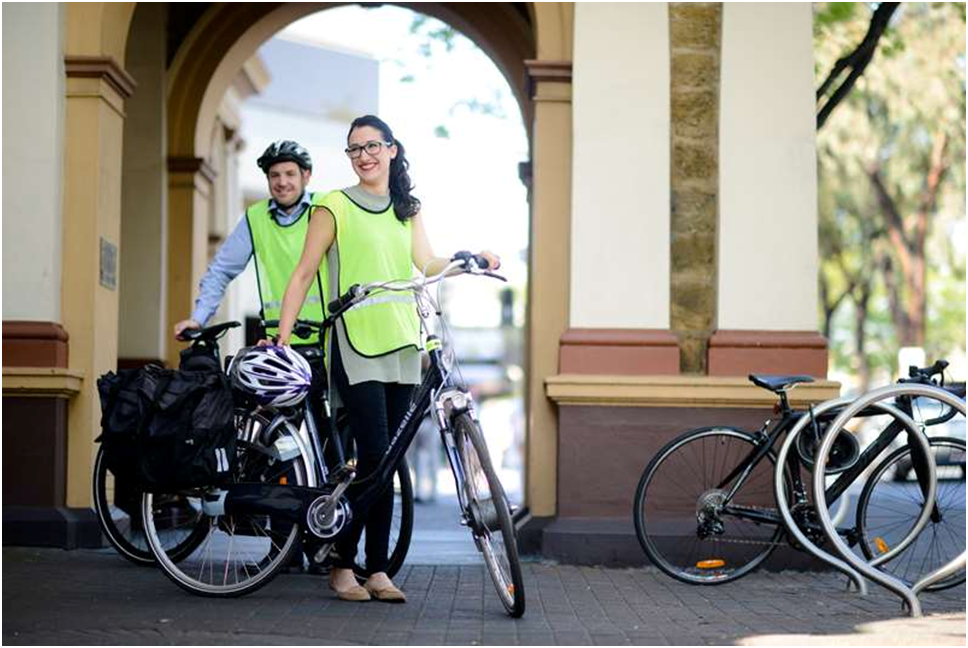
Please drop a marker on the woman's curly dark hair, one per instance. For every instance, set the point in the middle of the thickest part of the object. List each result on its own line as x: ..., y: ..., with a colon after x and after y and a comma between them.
x: 405, y: 205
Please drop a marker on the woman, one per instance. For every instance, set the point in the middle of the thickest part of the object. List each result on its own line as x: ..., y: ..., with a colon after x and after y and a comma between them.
x: 369, y: 232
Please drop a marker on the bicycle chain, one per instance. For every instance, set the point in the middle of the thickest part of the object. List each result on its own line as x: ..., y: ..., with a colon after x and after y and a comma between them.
x: 775, y: 543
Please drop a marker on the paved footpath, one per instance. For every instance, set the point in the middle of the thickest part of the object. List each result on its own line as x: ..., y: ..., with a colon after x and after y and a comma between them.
x: 94, y: 597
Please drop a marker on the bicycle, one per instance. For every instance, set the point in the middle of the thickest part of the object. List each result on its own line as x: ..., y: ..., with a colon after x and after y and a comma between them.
x: 325, y: 509
x: 705, y: 509
x: 178, y: 522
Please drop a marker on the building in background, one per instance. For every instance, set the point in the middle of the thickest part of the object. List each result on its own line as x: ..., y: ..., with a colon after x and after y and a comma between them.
x: 672, y: 189
x: 312, y: 95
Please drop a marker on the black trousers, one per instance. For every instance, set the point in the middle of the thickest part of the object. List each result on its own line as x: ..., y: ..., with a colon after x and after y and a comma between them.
x: 374, y: 409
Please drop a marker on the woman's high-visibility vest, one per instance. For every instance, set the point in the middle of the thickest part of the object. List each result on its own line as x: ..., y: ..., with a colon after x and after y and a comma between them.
x: 374, y: 246
x: 277, y: 249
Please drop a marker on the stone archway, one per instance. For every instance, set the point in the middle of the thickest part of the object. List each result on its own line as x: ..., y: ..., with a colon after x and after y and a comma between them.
x: 534, y: 53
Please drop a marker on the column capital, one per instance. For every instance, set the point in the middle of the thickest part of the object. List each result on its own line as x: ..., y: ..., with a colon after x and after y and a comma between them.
x: 101, y: 67
x: 190, y: 164
x: 543, y: 72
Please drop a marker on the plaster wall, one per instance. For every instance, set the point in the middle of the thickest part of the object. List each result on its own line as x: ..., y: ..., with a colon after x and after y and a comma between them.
x: 620, y: 197
x: 33, y: 136
x: 767, y: 170
x: 144, y: 193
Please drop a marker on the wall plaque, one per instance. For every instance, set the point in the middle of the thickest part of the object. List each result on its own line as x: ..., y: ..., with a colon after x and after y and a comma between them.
x: 109, y: 265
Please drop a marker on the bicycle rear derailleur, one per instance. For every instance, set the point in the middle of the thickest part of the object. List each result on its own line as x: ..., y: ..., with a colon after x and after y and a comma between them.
x: 708, y: 507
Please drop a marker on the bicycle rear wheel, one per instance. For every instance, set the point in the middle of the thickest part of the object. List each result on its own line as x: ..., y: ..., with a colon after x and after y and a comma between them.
x: 682, y: 517
x: 118, y: 509
x: 242, y: 552
x: 891, y: 502
x: 489, y: 515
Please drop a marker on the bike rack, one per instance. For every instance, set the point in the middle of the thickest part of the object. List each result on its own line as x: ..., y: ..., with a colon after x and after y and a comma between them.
x: 784, y: 507
x: 909, y: 595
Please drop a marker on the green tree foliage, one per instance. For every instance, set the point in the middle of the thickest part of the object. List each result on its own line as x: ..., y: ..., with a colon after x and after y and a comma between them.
x: 892, y: 188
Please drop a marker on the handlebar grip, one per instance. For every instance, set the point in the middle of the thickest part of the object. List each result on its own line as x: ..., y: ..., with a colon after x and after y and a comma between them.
x: 938, y: 367
x: 302, y: 330
x: 467, y: 257
x: 344, y: 300
x: 482, y: 262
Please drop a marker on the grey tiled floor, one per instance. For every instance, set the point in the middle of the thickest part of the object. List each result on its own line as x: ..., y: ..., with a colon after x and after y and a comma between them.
x: 95, y: 597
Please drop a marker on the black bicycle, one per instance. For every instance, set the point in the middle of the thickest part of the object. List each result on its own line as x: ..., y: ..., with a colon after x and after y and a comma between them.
x: 705, y: 510
x: 266, y: 435
x: 270, y: 501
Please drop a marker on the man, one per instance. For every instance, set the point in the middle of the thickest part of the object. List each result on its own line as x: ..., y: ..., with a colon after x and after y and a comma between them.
x: 272, y: 232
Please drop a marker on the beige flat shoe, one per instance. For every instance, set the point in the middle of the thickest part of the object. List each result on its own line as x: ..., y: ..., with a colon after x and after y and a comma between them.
x: 382, y: 588
x: 347, y: 589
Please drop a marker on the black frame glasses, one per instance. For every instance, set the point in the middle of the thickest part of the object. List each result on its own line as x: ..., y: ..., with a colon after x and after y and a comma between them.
x: 372, y: 148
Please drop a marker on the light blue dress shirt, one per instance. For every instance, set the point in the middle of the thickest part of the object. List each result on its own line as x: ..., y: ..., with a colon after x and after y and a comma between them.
x: 233, y: 256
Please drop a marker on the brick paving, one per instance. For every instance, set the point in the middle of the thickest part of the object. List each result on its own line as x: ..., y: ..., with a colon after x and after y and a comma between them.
x: 93, y: 597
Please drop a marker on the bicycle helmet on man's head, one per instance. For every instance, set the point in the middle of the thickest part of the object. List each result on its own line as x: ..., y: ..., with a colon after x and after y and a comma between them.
x: 285, y: 151
x: 275, y: 376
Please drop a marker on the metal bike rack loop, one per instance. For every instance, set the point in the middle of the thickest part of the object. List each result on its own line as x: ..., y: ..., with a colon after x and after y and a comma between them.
x: 907, y: 594
x: 784, y: 507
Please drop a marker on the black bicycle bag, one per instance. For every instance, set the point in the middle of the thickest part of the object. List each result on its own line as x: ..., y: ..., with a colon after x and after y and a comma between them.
x: 165, y: 430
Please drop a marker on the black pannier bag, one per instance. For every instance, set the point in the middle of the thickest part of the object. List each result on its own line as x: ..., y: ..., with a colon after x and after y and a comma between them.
x: 165, y: 430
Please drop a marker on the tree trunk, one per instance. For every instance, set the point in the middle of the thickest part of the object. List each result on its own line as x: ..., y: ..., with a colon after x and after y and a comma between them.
x: 908, y: 294
x: 860, y: 335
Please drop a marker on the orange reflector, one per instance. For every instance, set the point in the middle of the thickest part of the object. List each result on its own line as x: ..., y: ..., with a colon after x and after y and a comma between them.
x: 881, y: 545
x: 511, y: 590
x: 283, y: 480
x: 714, y: 563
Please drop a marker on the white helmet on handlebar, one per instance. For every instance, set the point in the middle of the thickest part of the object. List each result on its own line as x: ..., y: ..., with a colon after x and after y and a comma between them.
x: 276, y: 376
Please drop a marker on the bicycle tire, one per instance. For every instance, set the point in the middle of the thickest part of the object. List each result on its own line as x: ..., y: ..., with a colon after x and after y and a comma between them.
x: 667, y: 513
x: 401, y: 527
x: 121, y: 521
x: 888, y: 515
x: 244, y: 552
x: 487, y: 515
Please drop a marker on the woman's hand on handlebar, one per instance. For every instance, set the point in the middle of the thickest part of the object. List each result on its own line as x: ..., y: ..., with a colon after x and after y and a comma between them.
x: 493, y: 260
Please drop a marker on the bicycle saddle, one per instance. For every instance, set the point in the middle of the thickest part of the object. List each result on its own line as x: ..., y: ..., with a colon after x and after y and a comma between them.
x: 777, y: 384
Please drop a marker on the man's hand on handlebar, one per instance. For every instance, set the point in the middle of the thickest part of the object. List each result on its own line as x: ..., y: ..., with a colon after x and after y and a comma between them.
x: 181, y: 326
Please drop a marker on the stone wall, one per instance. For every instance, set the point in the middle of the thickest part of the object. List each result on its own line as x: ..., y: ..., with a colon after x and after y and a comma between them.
x: 695, y: 31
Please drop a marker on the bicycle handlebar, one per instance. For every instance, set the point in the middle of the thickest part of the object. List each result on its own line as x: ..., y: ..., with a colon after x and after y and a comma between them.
x: 469, y: 264
x: 926, y: 373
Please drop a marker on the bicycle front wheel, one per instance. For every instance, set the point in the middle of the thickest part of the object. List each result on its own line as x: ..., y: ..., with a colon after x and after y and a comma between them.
x: 239, y: 553
x: 687, y: 522
x: 118, y: 508
x: 891, y: 503
x: 489, y: 515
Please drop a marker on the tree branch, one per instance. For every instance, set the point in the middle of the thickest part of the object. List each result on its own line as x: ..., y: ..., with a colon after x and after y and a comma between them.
x: 857, y: 61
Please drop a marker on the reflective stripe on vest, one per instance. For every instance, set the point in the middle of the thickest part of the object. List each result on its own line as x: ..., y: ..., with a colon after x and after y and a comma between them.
x: 277, y: 250
x: 375, y: 247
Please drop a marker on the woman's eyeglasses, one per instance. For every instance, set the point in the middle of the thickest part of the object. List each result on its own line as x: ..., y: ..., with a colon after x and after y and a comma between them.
x: 372, y: 148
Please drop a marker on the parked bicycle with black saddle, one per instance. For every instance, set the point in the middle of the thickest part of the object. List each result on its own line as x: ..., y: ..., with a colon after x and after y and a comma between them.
x: 705, y: 511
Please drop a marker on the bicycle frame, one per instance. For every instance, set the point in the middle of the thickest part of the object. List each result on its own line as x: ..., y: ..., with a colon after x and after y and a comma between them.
x: 769, y: 436
x: 435, y: 390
